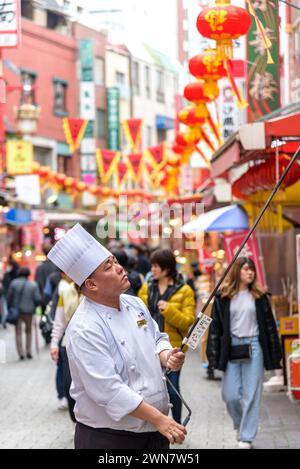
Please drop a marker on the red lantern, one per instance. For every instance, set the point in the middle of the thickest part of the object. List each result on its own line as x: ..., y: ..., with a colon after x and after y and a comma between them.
x: 95, y: 190
x: 178, y: 149
x: 69, y: 183
x: 207, y: 66
x: 81, y: 186
x: 188, y: 117
x: 223, y: 23
x: 35, y: 167
x: 44, y: 171
x: 60, y: 179
x: 197, y: 93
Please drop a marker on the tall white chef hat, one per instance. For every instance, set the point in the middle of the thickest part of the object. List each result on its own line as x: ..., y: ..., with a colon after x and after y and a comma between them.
x: 78, y: 254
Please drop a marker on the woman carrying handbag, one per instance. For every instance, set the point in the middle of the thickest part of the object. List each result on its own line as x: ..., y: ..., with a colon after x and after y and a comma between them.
x: 243, y: 340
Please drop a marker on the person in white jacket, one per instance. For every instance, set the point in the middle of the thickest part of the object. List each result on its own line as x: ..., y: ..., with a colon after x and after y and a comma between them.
x: 116, y: 355
x: 68, y: 301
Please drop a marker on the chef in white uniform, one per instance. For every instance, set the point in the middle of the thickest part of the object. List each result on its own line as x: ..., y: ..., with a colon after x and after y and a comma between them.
x: 116, y: 355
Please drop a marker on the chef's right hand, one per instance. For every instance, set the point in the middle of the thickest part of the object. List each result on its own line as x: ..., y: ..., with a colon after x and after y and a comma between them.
x: 172, y: 430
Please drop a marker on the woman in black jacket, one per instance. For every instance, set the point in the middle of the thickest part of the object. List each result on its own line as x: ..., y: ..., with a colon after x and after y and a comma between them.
x: 243, y: 340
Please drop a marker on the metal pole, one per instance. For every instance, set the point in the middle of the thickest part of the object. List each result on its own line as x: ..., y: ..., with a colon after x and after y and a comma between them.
x: 212, y: 295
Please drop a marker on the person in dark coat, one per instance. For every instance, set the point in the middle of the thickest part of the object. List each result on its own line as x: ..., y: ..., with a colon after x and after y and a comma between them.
x: 11, y: 274
x: 42, y: 273
x: 25, y: 295
x: 242, y: 316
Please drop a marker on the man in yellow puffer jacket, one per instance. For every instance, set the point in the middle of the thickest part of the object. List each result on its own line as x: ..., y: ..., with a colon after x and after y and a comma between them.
x: 172, y: 305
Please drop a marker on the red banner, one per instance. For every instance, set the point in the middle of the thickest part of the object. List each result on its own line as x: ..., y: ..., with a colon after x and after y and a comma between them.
x: 135, y: 161
x: 157, y: 156
x: 122, y: 171
x: 107, y: 162
x: 74, y: 132
x: 133, y: 132
x: 251, y: 250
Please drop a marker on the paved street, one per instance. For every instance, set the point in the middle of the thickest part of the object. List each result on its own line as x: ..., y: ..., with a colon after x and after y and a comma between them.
x: 29, y: 418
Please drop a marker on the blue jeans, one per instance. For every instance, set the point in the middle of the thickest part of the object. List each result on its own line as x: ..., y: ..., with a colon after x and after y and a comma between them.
x: 242, y: 388
x: 174, y: 399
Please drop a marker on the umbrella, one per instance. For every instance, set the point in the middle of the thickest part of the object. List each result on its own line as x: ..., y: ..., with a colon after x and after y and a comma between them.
x: 231, y: 218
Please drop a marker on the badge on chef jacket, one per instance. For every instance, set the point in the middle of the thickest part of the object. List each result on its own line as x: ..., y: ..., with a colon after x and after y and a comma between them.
x: 141, y: 320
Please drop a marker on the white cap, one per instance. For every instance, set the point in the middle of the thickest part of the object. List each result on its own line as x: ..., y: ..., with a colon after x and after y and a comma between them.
x: 78, y: 254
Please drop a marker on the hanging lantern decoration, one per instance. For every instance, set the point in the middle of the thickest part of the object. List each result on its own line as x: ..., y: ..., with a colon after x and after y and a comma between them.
x: 69, y: 184
x: 207, y: 66
x: 95, y: 190
x: 210, y: 68
x: 35, y: 167
x: 198, y: 93
x: 223, y: 23
x: 44, y: 172
x: 81, y: 186
x: 60, y: 179
x: 263, y: 177
x: 187, y: 116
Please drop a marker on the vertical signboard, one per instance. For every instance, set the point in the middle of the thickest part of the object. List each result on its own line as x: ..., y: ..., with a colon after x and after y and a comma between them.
x: 263, y: 64
x: 10, y: 20
x: 88, y: 111
x: 113, y: 118
x: 298, y: 276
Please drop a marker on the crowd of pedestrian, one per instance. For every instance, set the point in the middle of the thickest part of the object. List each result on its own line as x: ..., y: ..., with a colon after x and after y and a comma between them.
x: 242, y: 339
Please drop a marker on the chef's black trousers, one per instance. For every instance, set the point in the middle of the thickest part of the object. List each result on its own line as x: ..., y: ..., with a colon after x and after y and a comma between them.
x: 106, y: 438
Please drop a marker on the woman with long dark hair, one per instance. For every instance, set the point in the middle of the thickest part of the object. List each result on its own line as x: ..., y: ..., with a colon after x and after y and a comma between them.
x: 243, y: 340
x: 172, y: 305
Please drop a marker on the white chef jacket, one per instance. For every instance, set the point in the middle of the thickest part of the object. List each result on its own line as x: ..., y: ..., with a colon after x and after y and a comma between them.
x: 114, y: 363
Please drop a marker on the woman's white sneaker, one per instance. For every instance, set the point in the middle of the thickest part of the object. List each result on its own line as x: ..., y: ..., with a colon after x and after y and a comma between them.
x: 245, y: 445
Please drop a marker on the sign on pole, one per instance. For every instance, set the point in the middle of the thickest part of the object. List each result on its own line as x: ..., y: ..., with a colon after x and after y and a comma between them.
x: 10, y: 20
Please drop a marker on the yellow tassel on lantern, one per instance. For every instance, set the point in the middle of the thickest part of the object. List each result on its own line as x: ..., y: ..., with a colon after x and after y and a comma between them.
x: 201, y: 110
x: 211, y: 89
x: 241, y: 102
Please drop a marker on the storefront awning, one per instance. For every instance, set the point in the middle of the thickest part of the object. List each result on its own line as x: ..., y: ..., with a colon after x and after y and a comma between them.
x: 251, y: 141
x: 231, y: 218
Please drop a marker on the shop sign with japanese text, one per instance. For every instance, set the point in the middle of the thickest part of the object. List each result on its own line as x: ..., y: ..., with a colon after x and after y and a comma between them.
x: 113, y: 118
x: 10, y: 23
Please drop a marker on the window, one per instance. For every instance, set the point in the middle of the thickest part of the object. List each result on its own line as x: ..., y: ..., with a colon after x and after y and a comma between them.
x: 148, y: 81
x: 28, y: 79
x: 99, y: 71
x: 120, y: 79
x: 101, y: 123
x: 136, y: 78
x: 60, y: 97
x: 55, y: 21
x: 160, y: 87
x: 27, y: 9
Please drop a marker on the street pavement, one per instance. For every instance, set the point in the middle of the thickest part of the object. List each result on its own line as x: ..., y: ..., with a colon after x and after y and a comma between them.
x: 30, y: 419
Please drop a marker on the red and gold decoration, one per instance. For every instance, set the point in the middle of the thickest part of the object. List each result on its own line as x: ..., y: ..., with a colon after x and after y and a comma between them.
x: 133, y: 130
x: 107, y: 163
x: 223, y: 23
x: 74, y: 131
x: 262, y: 177
x: 135, y: 161
x: 157, y: 156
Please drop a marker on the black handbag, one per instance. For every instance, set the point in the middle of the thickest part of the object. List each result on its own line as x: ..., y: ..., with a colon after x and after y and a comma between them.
x: 240, y: 352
